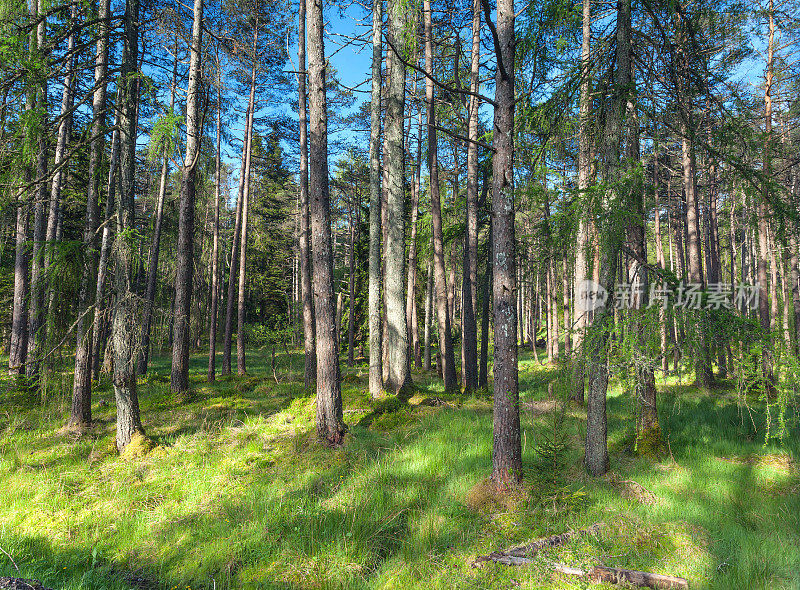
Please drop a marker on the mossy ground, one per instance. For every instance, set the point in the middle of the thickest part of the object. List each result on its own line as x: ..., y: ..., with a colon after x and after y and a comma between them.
x: 235, y: 492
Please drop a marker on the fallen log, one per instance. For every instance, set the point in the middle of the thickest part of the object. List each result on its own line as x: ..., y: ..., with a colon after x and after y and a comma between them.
x: 524, y: 554
x: 520, y: 554
x: 617, y: 575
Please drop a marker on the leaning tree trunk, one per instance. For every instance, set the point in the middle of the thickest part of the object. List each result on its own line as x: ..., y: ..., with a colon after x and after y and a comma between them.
x: 124, y: 324
x: 442, y: 314
x: 184, y: 264
x: 330, y: 425
x: 399, y: 374
x: 306, y: 296
x: 81, y: 412
x: 375, y: 230
x: 507, y: 448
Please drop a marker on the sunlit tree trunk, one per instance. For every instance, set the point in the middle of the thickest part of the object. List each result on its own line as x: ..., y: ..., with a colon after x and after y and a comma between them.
x: 184, y: 263
x: 306, y: 296
x: 330, y: 425
x: 375, y: 230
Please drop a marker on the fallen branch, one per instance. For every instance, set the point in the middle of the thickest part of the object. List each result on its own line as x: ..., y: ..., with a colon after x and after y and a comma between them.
x: 617, y: 575
x: 522, y: 553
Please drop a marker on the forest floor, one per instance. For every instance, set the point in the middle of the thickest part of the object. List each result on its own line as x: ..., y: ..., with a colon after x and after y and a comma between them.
x: 237, y: 493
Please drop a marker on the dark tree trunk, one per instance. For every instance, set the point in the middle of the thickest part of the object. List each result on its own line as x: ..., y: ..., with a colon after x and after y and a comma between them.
x: 507, y: 447
x: 330, y: 425
x: 124, y: 324
x: 442, y: 312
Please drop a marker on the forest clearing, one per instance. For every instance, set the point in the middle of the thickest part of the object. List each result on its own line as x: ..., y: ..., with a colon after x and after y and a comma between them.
x: 237, y: 493
x: 399, y: 294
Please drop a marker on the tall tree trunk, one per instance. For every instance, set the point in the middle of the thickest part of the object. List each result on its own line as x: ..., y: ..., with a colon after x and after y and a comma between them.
x: 215, y: 272
x: 507, y: 447
x: 124, y: 324
x: 306, y: 296
x: 36, y: 312
x: 584, y: 175
x: 18, y: 349
x: 375, y: 230
x: 100, y: 313
x: 155, y: 247
x: 184, y: 262
x: 596, y: 452
x: 81, y: 411
x: 767, y: 362
x: 399, y: 374
x: 469, y: 334
x: 227, y: 342
x: 443, y: 317
x: 411, y: 285
x: 330, y: 425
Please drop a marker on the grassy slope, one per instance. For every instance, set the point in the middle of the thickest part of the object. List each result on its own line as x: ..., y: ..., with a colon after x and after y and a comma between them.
x: 238, y: 493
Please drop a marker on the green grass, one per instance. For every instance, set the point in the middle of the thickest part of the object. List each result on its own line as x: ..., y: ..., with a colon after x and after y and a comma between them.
x: 238, y: 494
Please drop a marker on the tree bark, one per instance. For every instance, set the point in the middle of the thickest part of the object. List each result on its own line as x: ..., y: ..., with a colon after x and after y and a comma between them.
x: 507, y: 447
x: 442, y: 312
x: 483, y: 372
x: 184, y: 263
x: 375, y: 230
x: 428, y: 319
x: 399, y: 374
x: 215, y: 287
x: 227, y: 342
x: 469, y: 296
x: 330, y: 425
x: 124, y: 323
x: 81, y: 411
x: 36, y: 330
x: 411, y: 285
x: 306, y: 296
x: 584, y: 176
